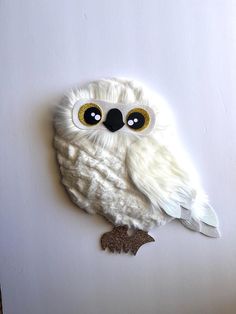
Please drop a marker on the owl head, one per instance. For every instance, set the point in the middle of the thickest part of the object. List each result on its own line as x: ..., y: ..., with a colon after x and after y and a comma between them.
x: 112, y: 112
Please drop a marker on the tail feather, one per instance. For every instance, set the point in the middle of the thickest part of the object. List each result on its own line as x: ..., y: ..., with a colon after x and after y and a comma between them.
x: 199, y: 226
x: 201, y: 217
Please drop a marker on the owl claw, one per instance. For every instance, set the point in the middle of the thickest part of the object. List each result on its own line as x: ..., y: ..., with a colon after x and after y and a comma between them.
x: 114, y: 239
x: 138, y: 239
x: 118, y: 240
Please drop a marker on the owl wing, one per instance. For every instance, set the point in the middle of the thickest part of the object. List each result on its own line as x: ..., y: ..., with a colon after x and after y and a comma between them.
x: 158, y: 174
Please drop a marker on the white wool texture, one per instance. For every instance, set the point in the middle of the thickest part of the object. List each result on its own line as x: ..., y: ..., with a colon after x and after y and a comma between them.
x: 131, y: 179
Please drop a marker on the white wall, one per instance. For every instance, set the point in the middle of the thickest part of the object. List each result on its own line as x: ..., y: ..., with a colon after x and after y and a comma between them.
x: 50, y: 259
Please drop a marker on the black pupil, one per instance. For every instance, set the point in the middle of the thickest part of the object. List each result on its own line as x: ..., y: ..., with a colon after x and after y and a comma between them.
x: 136, y: 120
x: 92, y: 115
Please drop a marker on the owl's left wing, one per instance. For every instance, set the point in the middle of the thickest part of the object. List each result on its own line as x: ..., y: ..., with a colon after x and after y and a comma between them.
x: 159, y: 175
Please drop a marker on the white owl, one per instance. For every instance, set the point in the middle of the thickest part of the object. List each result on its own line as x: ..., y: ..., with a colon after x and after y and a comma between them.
x: 119, y: 157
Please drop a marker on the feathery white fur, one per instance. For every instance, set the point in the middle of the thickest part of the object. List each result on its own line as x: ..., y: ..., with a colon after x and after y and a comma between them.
x: 132, y: 179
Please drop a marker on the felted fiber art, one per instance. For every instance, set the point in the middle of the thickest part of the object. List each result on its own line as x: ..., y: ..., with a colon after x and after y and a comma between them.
x: 120, y: 157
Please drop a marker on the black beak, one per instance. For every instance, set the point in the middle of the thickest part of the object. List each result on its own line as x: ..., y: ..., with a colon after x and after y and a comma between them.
x: 114, y: 120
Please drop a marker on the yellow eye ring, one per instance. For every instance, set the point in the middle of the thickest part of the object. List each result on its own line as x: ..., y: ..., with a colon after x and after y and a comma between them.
x: 90, y: 114
x: 138, y: 119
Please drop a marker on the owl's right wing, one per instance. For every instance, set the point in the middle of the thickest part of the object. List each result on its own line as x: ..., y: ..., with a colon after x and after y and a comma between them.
x: 159, y: 175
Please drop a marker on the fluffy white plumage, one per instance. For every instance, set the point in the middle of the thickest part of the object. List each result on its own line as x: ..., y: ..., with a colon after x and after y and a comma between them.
x: 131, y: 179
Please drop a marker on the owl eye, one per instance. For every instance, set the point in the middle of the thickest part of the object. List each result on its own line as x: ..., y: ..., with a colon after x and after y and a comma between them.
x: 138, y: 119
x: 90, y: 114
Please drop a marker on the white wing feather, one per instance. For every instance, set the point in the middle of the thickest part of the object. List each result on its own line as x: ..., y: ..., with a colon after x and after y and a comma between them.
x: 161, y: 177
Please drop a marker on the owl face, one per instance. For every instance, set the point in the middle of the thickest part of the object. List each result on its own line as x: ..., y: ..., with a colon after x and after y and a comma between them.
x: 112, y: 112
x: 92, y: 114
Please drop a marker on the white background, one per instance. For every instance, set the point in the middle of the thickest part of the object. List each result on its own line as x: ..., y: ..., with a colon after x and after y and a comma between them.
x: 50, y: 258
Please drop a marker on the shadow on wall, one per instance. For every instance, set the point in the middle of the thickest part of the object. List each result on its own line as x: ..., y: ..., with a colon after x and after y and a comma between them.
x: 1, y: 311
x: 227, y: 307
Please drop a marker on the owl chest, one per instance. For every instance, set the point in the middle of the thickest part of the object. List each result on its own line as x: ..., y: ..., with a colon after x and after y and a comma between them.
x: 101, y: 173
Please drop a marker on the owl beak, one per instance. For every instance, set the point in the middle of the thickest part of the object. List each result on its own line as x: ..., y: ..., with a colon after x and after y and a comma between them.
x: 114, y: 120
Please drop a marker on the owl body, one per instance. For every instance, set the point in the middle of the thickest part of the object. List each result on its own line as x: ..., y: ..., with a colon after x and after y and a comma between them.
x: 120, y: 157
x: 98, y: 182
